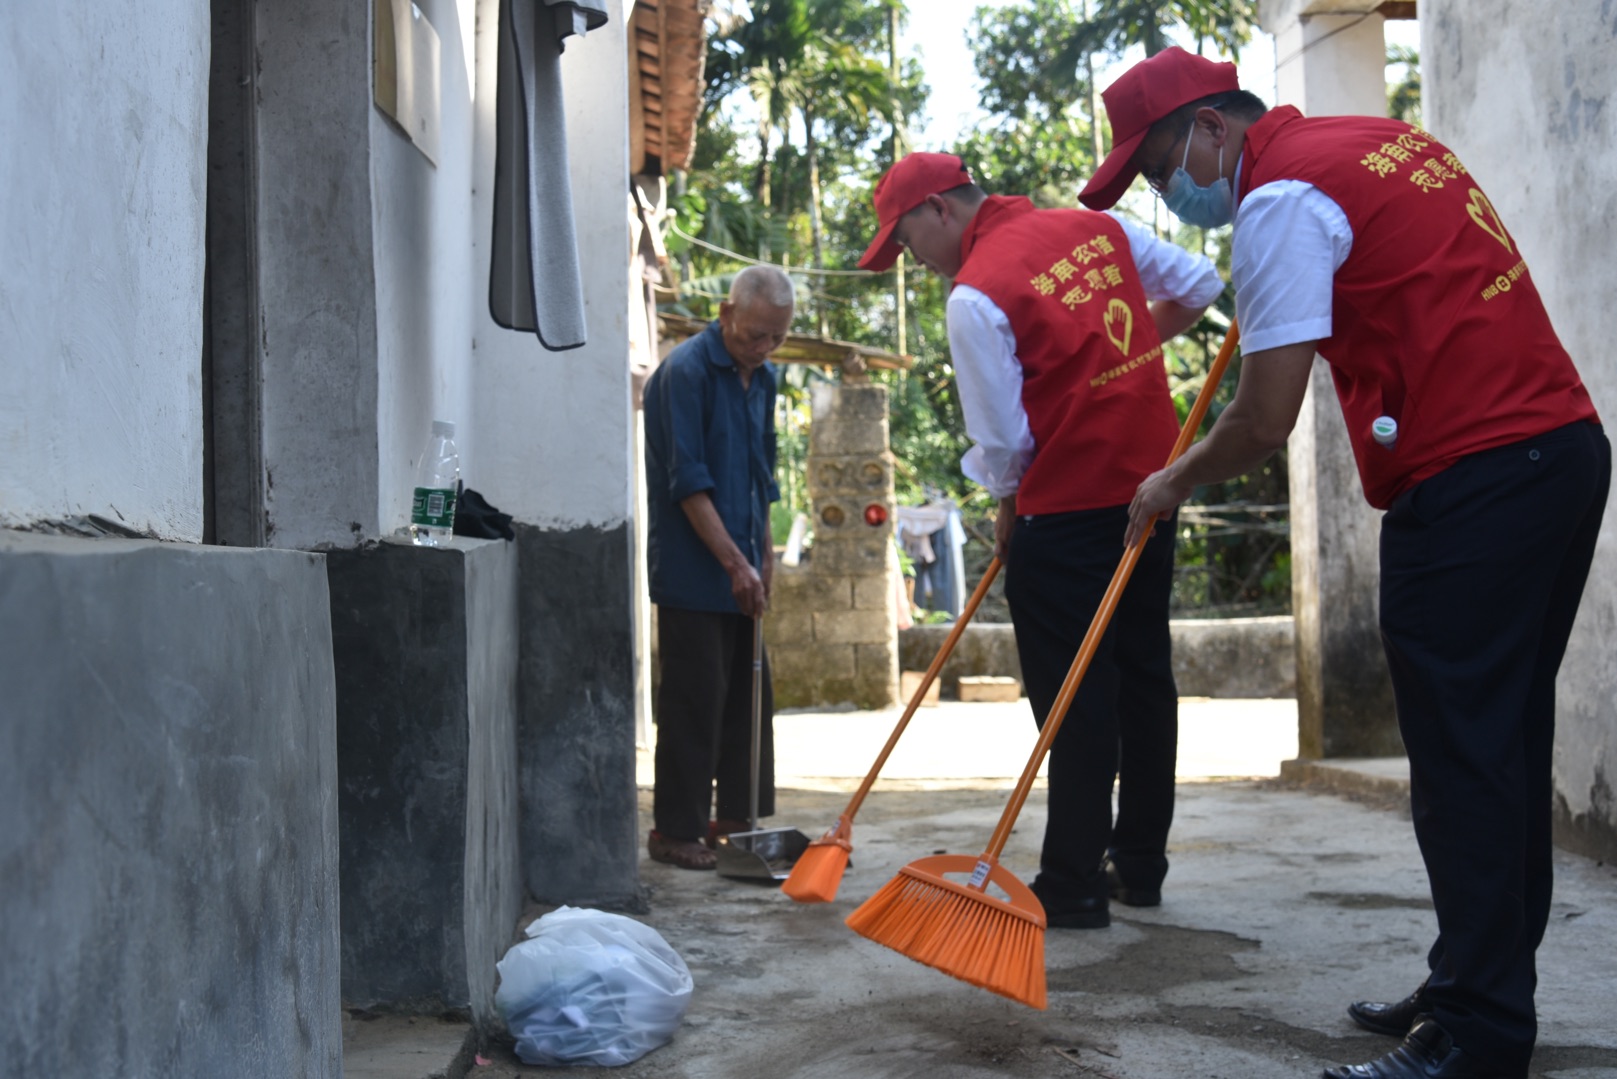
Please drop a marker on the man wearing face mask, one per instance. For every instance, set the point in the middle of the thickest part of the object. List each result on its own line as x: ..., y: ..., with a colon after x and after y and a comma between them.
x: 1056, y: 320
x: 1367, y: 241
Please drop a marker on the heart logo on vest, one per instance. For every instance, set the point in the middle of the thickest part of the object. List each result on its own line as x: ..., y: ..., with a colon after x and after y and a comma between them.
x: 1480, y: 206
x: 1120, y: 324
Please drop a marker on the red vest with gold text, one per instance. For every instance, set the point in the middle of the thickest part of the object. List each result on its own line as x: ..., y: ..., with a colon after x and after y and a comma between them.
x: 1093, y: 383
x: 1435, y: 320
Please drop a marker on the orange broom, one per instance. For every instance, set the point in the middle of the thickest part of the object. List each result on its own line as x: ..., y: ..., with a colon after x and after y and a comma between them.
x: 818, y: 871
x: 958, y: 928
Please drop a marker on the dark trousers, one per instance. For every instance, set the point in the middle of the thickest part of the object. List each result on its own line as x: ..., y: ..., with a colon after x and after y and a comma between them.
x: 704, y: 723
x: 1124, y: 720
x: 1482, y: 568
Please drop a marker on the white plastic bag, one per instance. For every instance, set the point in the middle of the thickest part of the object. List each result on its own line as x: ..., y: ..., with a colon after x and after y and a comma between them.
x: 588, y: 987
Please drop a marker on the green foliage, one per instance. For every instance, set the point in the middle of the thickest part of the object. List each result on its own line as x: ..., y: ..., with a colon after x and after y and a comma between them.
x: 1024, y: 59
x: 1039, y: 139
x: 800, y: 116
x: 1219, y: 26
x: 1403, y: 84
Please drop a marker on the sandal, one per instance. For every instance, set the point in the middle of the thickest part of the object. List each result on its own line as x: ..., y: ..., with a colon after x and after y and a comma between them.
x: 684, y: 853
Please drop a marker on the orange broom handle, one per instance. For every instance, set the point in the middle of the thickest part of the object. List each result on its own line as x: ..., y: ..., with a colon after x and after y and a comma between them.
x: 926, y: 681
x: 1103, y: 615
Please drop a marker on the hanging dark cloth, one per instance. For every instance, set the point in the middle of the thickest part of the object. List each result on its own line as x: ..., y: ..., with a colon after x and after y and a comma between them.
x: 534, y: 281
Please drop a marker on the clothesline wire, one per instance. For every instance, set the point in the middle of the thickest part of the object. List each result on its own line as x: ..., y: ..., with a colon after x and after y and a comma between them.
x: 682, y: 234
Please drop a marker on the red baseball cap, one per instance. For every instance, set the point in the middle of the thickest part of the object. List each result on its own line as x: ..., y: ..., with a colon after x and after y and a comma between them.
x: 1141, y: 96
x: 901, y: 189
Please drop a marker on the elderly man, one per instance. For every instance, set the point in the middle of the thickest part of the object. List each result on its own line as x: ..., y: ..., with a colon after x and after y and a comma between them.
x: 710, y: 477
x: 1367, y: 241
x: 1056, y: 320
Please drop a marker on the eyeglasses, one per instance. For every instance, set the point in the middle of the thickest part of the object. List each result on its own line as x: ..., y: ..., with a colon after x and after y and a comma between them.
x: 1156, y: 177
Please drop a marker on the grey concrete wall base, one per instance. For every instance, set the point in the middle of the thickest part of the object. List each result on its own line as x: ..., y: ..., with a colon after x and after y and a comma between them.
x: 1226, y: 658
x: 580, y: 829
x: 1592, y: 834
x: 1235, y: 657
x: 426, y: 649
x: 985, y: 648
x: 1383, y: 780
x: 168, y: 812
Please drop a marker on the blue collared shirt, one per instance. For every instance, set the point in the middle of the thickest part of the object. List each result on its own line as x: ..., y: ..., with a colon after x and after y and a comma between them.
x: 705, y: 432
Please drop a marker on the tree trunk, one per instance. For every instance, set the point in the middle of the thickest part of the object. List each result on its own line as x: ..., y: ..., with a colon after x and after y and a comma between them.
x: 1154, y: 41
x: 893, y: 154
x: 765, y: 196
x: 1094, y: 99
x: 816, y: 229
x: 765, y: 131
x: 685, y: 254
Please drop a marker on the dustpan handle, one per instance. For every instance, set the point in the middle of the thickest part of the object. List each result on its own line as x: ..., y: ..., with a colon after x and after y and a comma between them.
x: 926, y: 682
x: 1103, y: 614
x: 757, y: 714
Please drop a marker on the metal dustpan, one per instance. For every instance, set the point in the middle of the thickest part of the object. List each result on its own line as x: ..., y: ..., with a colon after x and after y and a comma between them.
x: 768, y: 853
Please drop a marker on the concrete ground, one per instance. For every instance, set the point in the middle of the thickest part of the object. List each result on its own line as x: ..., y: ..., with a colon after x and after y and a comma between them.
x: 1284, y: 903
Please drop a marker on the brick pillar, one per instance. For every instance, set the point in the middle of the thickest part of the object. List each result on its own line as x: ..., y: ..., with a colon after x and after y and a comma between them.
x: 833, y: 626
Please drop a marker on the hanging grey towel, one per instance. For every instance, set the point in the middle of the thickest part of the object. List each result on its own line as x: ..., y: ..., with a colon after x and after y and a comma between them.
x: 534, y: 281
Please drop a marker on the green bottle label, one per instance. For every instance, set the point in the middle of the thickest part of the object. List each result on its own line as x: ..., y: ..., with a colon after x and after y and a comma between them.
x: 433, y: 507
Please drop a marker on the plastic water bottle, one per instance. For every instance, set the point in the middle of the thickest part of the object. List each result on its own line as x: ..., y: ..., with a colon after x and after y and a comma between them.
x: 432, y: 511
x: 1385, y: 431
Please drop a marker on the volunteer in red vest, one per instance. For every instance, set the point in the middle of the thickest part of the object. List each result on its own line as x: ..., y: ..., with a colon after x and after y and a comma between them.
x: 1367, y: 241
x: 1056, y: 320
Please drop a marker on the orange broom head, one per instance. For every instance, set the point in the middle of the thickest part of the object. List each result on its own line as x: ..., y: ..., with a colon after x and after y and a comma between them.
x: 960, y: 929
x: 818, y: 870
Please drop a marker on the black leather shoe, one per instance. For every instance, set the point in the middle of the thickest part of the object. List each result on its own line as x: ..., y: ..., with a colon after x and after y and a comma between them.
x: 1067, y: 911
x: 1427, y: 1053
x: 1394, y: 1019
x: 1130, y: 897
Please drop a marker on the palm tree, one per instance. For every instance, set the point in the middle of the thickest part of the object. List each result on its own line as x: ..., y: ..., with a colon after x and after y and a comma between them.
x: 839, y: 84
x: 813, y: 59
x: 1226, y: 25
x: 761, y: 53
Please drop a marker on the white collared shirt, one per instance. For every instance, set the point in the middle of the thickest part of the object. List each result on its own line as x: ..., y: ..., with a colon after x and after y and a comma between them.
x: 1290, y: 239
x: 989, y: 373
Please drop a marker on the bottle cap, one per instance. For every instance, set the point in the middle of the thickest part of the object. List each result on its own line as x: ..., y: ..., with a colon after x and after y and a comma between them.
x: 1384, y: 430
x: 444, y: 428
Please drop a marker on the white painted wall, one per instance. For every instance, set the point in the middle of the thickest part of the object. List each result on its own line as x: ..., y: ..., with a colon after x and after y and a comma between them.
x: 554, y: 440
x: 1332, y: 65
x: 425, y: 284
x: 104, y: 115
x: 1526, y: 95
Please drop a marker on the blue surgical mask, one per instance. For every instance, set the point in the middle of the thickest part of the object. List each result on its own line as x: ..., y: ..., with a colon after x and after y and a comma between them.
x: 1204, y: 207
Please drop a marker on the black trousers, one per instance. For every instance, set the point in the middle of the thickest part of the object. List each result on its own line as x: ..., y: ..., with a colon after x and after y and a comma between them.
x: 1482, y: 568
x: 1124, y: 719
x: 704, y: 723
